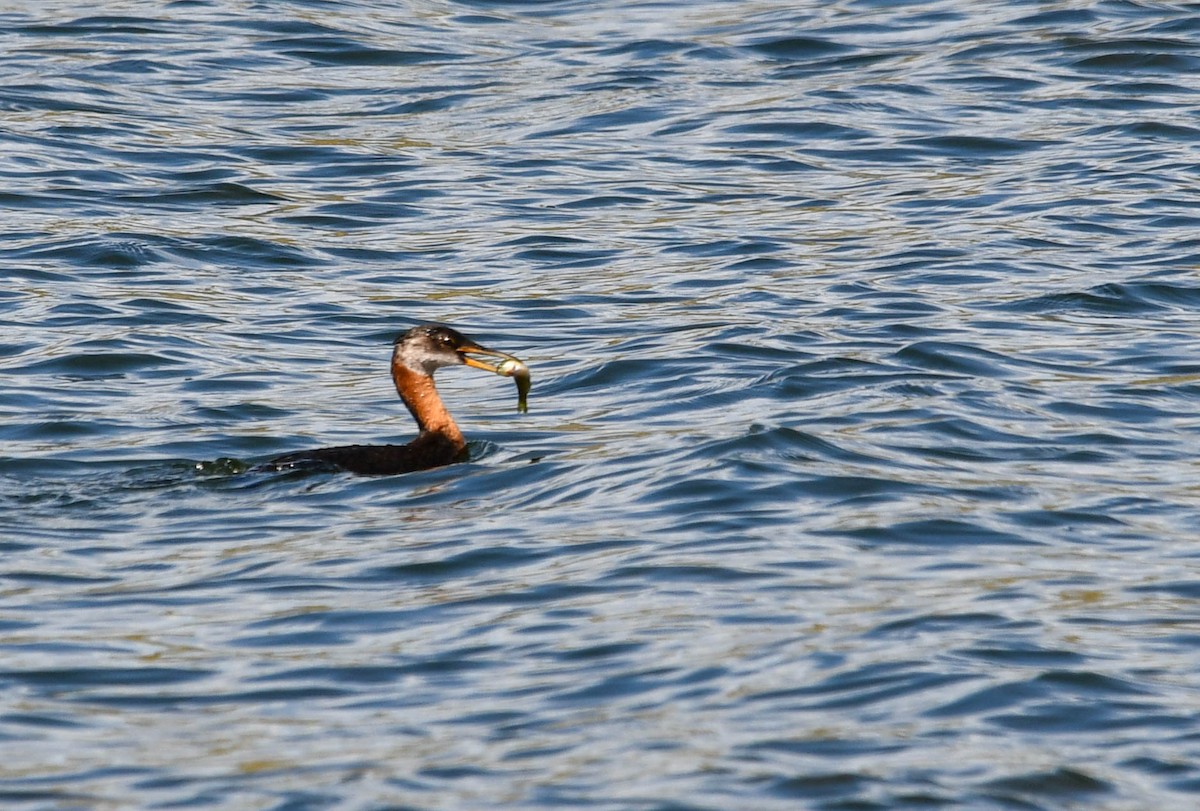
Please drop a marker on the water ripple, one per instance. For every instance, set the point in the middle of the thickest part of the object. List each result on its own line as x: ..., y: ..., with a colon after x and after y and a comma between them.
x: 856, y: 472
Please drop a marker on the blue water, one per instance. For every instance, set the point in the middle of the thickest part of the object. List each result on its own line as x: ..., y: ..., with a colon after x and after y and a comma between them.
x: 859, y: 468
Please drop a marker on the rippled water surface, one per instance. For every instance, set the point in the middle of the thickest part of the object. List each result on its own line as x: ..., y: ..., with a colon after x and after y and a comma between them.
x: 859, y: 470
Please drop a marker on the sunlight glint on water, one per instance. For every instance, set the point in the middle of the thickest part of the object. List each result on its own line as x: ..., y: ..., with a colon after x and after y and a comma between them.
x: 856, y: 471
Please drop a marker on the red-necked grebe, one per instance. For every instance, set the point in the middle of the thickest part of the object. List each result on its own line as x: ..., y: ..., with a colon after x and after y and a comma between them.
x: 418, y: 353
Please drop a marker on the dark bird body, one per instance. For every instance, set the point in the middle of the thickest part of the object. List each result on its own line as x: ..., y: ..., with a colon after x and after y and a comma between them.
x: 423, y: 453
x: 417, y: 354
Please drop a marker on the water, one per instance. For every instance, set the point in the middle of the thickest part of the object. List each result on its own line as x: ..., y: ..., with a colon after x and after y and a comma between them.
x: 858, y: 471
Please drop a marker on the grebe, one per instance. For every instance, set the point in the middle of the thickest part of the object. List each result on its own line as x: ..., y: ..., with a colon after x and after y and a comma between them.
x: 418, y: 353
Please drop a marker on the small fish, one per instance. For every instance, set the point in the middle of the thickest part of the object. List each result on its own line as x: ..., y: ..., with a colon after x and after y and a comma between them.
x: 519, y: 372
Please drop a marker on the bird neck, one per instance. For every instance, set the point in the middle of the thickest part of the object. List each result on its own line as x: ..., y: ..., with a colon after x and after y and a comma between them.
x: 417, y: 391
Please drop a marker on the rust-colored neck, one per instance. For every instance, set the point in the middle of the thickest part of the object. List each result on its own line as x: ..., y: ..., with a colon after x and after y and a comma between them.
x: 420, y: 395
